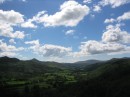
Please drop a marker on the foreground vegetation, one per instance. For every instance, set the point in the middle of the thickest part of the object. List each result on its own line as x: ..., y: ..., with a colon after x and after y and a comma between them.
x: 34, y: 78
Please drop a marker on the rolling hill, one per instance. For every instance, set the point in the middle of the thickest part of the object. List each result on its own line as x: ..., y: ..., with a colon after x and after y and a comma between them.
x: 92, y: 78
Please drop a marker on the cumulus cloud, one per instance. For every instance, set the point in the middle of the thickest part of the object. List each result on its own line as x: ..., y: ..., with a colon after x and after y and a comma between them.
x: 95, y: 47
x: 9, y: 19
x: 48, y: 50
x: 69, y: 32
x: 109, y: 20
x: 127, y: 50
x: 33, y: 42
x: 7, y: 31
x: 96, y: 8
x: 114, y: 3
x: 9, y: 54
x: 8, y: 50
x: 70, y: 14
x: 125, y: 16
x: 28, y: 24
x: 114, y: 40
x: 115, y: 34
x: 11, y: 41
x: 87, y: 1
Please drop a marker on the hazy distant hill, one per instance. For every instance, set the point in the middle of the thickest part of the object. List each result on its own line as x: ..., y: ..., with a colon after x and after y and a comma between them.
x: 80, y: 65
x: 88, y: 62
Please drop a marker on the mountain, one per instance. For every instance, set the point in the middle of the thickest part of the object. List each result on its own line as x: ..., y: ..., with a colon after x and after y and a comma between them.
x: 116, y: 67
x: 34, y: 60
x: 6, y: 59
x: 109, y: 79
x: 88, y: 62
x: 31, y: 78
x: 13, y: 67
x: 80, y: 65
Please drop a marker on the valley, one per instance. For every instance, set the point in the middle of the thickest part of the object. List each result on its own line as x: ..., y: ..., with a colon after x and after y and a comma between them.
x: 31, y: 78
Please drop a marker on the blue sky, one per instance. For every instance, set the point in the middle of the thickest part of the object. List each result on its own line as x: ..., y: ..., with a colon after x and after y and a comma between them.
x: 65, y: 30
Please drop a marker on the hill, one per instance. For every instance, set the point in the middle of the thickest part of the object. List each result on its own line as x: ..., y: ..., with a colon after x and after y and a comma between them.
x: 108, y: 79
x: 112, y: 68
x: 90, y: 78
x: 13, y: 67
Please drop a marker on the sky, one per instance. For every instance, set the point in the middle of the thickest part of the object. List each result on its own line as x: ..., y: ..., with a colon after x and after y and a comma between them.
x: 65, y: 30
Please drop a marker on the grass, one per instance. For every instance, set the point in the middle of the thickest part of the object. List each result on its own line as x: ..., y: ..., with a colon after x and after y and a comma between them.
x: 12, y: 83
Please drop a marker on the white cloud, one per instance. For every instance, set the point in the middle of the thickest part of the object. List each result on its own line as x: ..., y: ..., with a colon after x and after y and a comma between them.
x: 125, y: 16
x: 70, y: 14
x: 87, y: 1
x: 7, y: 31
x: 69, y: 32
x: 114, y: 3
x: 11, y: 17
x: 95, y: 47
x: 121, y: 52
x: 127, y: 51
x: 109, y: 20
x: 28, y: 24
x: 48, y: 50
x: 114, y: 40
x: 8, y: 50
x: 34, y: 42
x: 115, y: 34
x: 9, y: 54
x: 97, y: 8
x: 11, y: 41
x: 18, y: 34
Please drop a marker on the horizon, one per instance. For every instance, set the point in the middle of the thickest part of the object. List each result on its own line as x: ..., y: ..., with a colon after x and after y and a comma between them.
x: 64, y: 62
x: 65, y: 31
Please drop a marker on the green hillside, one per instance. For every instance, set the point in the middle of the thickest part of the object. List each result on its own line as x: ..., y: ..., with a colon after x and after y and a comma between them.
x: 33, y: 78
x: 12, y: 67
x: 108, y: 79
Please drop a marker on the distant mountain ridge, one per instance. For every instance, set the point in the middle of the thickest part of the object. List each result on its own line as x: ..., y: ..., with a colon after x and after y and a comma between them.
x: 72, y: 66
x: 89, y: 61
x: 7, y: 59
